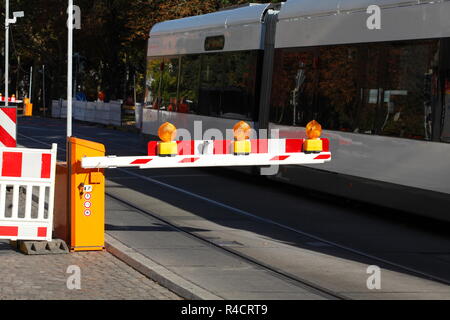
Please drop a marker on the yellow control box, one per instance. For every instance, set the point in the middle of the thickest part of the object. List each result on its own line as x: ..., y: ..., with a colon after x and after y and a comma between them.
x: 28, y: 108
x: 243, y: 147
x: 87, y: 198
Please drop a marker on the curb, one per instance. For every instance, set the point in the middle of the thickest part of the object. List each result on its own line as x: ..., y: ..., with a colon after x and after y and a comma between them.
x: 157, y: 272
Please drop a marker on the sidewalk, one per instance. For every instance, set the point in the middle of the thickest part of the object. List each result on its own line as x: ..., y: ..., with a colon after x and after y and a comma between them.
x: 103, y: 277
x: 189, y: 266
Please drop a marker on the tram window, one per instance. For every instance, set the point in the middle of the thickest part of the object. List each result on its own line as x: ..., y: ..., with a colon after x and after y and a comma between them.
x: 218, y: 84
x: 445, y: 135
x: 407, y: 108
x: 338, y: 87
x: 212, y: 81
x: 379, y: 88
x: 214, y: 43
x: 162, y: 83
x: 153, y: 82
x: 189, y: 84
x: 239, y: 85
x: 169, y: 89
x: 293, y: 87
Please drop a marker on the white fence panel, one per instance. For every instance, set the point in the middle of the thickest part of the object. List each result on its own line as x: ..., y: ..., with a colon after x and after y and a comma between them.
x: 100, y: 114
x: 64, y: 109
x: 138, y: 113
x: 95, y: 112
x: 76, y: 110
x: 115, y: 113
x: 56, y: 108
x: 79, y: 110
x: 90, y: 112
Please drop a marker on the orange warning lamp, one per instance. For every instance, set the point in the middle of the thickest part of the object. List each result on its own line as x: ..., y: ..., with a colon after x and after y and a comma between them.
x: 313, y: 144
x: 167, y: 147
x: 242, y: 144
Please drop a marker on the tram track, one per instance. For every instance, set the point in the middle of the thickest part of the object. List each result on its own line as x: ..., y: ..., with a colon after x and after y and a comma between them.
x: 305, y: 284
x: 290, y: 277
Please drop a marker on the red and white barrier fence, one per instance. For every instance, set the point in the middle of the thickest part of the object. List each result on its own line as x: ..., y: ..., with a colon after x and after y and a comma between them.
x: 10, y: 99
x: 214, y: 153
x: 24, y: 174
x: 8, y: 127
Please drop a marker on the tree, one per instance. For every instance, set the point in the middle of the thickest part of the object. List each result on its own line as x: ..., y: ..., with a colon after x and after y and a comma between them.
x: 112, y: 40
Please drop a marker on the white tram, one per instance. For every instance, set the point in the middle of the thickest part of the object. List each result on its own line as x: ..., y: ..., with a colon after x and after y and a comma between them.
x: 382, y: 95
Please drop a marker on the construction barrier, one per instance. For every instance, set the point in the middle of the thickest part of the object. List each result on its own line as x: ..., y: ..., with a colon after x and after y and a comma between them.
x: 27, y: 177
x: 88, y: 161
x: 8, y: 127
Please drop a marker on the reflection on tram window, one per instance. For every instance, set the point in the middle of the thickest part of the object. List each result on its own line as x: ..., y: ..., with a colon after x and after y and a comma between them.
x: 239, y: 85
x: 215, y: 84
x: 228, y: 85
x: 384, y: 89
x: 445, y: 134
x: 162, y: 83
x: 211, y: 84
x: 189, y: 84
x: 337, y: 90
x: 293, y: 87
x: 169, y: 88
x: 152, y: 82
x: 411, y: 70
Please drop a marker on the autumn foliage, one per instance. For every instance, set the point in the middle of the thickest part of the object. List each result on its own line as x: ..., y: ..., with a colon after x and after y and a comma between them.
x: 111, y: 45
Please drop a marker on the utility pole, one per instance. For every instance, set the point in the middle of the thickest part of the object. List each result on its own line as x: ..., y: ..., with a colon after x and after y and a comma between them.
x: 6, y: 53
x: 31, y: 83
x: 43, y: 88
x: 69, y: 69
x: 134, y: 88
x: 8, y: 21
x: 18, y: 73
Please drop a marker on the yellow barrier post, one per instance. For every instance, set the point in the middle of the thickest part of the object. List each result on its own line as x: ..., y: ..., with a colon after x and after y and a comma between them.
x: 28, y: 108
x: 79, y: 217
x: 87, y: 197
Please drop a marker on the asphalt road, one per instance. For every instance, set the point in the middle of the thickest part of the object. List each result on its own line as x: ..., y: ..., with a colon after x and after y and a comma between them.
x: 288, y: 228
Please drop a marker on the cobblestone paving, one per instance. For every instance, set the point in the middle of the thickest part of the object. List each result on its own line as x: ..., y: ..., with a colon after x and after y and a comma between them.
x: 103, y: 277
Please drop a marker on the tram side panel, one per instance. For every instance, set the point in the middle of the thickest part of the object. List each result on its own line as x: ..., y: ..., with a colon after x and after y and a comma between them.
x: 377, y: 100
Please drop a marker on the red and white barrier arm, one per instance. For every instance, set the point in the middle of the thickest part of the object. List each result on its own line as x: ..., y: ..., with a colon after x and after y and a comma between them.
x: 217, y: 154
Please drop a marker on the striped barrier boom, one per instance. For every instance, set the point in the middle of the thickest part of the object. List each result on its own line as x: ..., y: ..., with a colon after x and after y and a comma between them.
x: 27, y: 176
x: 217, y: 153
x: 10, y: 99
x: 8, y: 127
